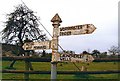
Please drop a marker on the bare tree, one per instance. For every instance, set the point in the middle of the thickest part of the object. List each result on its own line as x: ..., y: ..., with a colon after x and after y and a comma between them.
x: 21, y: 24
x: 114, y: 50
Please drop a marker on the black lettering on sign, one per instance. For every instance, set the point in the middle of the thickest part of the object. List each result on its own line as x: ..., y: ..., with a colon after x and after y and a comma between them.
x: 62, y: 29
x: 77, y: 27
x: 65, y: 33
x: 39, y: 47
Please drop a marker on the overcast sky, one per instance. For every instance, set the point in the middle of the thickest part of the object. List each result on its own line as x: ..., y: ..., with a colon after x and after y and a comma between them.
x: 102, y: 13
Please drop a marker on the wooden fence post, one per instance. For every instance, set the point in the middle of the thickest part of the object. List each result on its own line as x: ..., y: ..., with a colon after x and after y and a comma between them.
x: 26, y: 76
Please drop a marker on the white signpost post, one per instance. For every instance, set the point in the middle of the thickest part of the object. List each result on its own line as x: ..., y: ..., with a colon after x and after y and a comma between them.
x: 53, y: 44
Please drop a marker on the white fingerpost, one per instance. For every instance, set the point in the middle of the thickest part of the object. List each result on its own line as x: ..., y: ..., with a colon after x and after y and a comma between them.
x: 55, y: 56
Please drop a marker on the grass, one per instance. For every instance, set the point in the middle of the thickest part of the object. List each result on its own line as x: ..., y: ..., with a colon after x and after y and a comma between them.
x: 46, y: 66
x: 43, y: 76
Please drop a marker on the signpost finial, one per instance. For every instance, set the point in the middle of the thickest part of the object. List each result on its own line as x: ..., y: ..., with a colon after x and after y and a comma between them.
x: 56, y: 18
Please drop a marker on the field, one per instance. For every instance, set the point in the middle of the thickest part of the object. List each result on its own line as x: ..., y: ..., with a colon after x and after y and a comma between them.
x: 45, y: 66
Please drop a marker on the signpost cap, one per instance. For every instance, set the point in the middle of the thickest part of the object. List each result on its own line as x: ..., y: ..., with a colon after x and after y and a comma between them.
x: 56, y: 18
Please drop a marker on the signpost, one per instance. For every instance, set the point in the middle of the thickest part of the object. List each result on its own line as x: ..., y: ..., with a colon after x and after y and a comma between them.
x: 64, y: 31
x: 37, y: 45
x: 55, y: 56
x: 77, y: 30
x: 76, y: 58
x: 53, y: 44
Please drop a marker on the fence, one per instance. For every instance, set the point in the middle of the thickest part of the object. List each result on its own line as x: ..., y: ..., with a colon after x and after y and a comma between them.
x: 42, y: 59
x: 31, y: 59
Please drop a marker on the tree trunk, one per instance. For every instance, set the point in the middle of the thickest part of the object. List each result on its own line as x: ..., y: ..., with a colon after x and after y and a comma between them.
x: 21, y: 50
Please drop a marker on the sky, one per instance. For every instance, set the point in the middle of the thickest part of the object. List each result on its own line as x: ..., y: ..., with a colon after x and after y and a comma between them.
x: 103, y: 14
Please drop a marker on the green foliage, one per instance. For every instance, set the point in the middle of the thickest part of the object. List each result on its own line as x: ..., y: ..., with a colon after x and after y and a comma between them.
x: 96, y: 53
x: 103, y: 55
